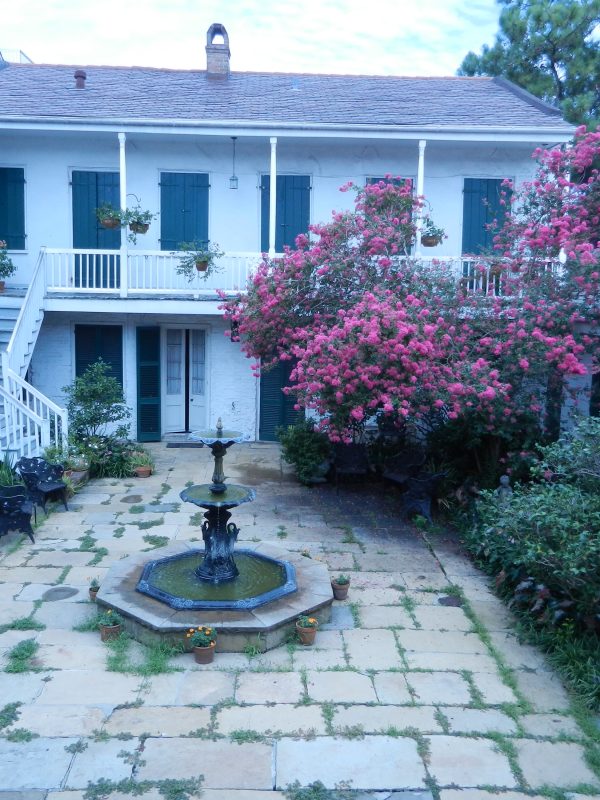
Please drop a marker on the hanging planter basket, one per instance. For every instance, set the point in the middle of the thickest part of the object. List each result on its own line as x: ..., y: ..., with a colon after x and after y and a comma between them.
x: 430, y: 241
x: 139, y: 227
x: 111, y: 224
x: 201, y: 266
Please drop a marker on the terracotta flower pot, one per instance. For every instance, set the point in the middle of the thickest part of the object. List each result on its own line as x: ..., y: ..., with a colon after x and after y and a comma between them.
x: 306, y: 635
x: 110, y: 632
x: 201, y: 266
x: 93, y: 593
x: 111, y: 224
x: 142, y: 472
x: 204, y: 655
x: 340, y: 590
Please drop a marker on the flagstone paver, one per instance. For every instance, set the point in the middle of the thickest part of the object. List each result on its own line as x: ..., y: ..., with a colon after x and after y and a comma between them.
x: 397, y: 685
x: 225, y: 765
x: 554, y: 764
x: 376, y: 762
x: 468, y: 762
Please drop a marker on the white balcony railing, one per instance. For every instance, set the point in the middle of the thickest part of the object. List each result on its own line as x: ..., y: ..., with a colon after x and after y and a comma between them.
x: 149, y: 272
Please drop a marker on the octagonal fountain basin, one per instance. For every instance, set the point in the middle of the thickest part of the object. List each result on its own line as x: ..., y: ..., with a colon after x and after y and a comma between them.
x: 261, y: 580
x: 150, y: 620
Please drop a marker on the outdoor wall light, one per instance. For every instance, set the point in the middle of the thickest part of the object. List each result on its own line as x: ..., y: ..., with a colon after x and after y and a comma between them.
x: 233, y: 181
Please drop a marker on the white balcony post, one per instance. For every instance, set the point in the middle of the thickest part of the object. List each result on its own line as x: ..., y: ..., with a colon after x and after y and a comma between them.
x: 123, y: 203
x: 273, y: 196
x: 420, y: 190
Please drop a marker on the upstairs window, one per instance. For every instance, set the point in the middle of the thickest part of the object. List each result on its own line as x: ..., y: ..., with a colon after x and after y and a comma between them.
x: 12, y: 207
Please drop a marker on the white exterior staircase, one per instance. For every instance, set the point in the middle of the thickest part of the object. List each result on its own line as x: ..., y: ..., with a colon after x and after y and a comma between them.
x: 29, y: 421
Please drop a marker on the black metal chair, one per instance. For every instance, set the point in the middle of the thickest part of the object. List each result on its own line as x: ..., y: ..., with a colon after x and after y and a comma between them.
x: 350, y: 460
x: 419, y: 494
x: 15, y: 510
x: 43, y: 480
x: 403, y: 466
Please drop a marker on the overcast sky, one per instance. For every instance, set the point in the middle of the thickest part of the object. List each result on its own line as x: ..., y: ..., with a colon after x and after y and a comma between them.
x: 387, y: 37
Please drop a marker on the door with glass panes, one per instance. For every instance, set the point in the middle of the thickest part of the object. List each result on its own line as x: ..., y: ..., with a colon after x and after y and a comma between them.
x: 184, y: 379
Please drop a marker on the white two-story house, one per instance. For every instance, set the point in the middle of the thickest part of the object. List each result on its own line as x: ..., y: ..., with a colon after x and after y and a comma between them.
x: 246, y: 160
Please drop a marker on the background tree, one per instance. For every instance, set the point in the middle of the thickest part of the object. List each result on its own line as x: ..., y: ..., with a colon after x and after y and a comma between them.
x: 552, y: 49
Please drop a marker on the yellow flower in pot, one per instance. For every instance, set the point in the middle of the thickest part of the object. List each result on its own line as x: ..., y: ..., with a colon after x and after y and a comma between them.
x: 203, y: 641
x: 306, y: 628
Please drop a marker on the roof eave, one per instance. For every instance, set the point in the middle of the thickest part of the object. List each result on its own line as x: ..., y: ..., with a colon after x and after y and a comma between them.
x: 564, y: 132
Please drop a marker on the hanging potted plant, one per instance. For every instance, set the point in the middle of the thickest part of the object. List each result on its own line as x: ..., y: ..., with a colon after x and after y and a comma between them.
x: 108, y: 216
x: 431, y: 235
x: 138, y: 221
x: 7, y: 268
x: 198, y: 259
x: 203, y: 641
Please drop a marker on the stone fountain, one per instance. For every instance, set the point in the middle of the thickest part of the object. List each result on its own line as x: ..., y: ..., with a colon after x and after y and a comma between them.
x: 251, y: 595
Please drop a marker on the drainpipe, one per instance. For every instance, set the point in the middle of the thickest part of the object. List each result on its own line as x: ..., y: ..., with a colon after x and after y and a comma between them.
x: 123, y: 204
x: 420, y: 190
x: 273, y: 196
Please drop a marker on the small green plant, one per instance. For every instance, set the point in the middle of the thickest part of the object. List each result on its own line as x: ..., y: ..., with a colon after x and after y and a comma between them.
x: 202, y: 636
x: 198, y: 259
x: 141, y: 458
x: 9, y: 714
x: 21, y: 735
x: 95, y: 400
x: 307, y: 449
x: 8, y: 474
x: 94, y: 584
x: 341, y: 579
x: 305, y: 621
x: 21, y: 656
x: 109, y: 618
x: 7, y: 267
x: 109, y: 216
x: 154, y: 541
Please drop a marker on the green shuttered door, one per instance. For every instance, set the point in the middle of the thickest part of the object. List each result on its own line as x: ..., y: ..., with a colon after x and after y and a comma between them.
x: 90, y: 191
x: 183, y: 208
x: 292, y: 212
x: 481, y: 206
x: 12, y: 207
x: 148, y: 384
x: 276, y: 408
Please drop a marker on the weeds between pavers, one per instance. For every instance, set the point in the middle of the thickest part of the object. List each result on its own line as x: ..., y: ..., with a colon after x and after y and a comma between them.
x: 21, y: 656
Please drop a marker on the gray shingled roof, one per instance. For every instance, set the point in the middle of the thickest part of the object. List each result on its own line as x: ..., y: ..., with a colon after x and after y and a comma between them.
x: 142, y: 94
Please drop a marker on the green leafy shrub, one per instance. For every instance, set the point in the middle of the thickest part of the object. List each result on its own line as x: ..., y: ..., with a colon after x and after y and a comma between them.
x: 307, y: 449
x: 575, y: 457
x: 545, y: 542
x: 108, y: 456
x: 8, y: 474
x: 95, y: 401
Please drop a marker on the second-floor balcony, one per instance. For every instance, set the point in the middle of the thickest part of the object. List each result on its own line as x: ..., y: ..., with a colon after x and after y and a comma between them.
x: 152, y: 273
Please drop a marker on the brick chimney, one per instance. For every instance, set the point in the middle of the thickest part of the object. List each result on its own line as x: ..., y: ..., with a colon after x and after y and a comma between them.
x: 217, y: 54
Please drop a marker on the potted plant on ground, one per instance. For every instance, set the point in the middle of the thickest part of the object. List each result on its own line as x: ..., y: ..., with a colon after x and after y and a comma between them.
x: 431, y: 234
x: 198, y: 258
x: 93, y: 589
x: 203, y: 641
x: 109, y: 216
x: 7, y: 268
x: 110, y: 624
x: 340, y: 586
x: 306, y: 628
x: 142, y: 464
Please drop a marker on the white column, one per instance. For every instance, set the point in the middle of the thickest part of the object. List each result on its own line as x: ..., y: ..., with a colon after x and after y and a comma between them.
x: 123, y: 203
x: 420, y: 189
x: 273, y: 196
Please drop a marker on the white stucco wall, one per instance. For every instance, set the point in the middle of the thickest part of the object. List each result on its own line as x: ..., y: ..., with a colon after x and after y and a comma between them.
x: 231, y: 389
x: 234, y: 216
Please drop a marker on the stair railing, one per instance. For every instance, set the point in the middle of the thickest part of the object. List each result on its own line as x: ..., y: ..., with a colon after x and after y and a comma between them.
x: 29, y: 406
x: 24, y: 433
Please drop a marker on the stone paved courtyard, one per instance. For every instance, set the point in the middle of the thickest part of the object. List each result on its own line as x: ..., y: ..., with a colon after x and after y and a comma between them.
x: 407, y: 692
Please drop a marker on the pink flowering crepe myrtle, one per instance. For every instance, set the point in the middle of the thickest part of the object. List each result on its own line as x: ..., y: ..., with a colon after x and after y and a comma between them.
x: 372, y: 330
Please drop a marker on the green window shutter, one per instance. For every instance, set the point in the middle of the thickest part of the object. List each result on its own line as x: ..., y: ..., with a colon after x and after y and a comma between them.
x: 12, y: 207
x: 99, y: 341
x: 148, y: 384
x: 292, y: 213
x: 481, y: 206
x: 183, y: 208
x: 276, y: 408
